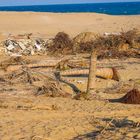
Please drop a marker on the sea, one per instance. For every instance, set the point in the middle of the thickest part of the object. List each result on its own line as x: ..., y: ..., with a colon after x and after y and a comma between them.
x: 120, y: 8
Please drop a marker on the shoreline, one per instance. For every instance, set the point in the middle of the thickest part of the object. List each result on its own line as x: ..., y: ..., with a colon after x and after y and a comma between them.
x: 66, y: 13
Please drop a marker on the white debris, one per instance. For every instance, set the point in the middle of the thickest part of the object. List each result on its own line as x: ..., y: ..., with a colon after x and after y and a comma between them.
x: 10, y: 47
x: 113, y: 33
x: 24, y: 46
x: 38, y: 46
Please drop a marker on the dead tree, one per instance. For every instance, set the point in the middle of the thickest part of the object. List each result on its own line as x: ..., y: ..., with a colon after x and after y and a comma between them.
x: 92, y: 72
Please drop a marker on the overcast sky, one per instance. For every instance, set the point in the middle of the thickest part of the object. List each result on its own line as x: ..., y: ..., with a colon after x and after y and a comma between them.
x: 45, y: 2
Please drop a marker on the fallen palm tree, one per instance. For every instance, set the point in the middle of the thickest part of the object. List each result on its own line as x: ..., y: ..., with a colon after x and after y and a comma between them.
x: 107, y: 73
x: 19, y: 63
x: 16, y: 67
x: 13, y: 61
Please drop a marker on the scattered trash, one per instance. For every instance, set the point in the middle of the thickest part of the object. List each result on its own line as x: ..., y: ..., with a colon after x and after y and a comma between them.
x: 21, y: 47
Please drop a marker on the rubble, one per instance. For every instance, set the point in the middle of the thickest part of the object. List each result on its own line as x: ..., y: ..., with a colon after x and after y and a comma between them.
x: 111, y: 45
x: 21, y: 47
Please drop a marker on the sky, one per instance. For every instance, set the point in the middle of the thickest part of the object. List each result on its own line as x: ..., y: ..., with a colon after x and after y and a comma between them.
x: 46, y: 2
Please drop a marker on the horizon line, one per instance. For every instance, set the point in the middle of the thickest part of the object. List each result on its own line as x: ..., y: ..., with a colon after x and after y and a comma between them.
x: 69, y: 4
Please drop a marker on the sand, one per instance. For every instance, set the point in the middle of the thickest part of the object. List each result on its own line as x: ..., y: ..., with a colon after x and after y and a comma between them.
x: 72, y: 23
x: 28, y: 117
x: 24, y: 116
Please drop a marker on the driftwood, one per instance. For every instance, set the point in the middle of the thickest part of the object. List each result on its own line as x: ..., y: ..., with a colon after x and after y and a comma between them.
x: 16, y: 67
x: 107, y: 73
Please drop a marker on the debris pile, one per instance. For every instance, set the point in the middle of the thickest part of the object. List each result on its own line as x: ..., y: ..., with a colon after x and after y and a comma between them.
x: 132, y: 97
x: 125, y: 44
x: 38, y: 82
x: 19, y: 47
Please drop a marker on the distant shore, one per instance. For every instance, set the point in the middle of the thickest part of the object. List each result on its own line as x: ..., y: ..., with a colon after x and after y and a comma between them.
x: 49, y: 24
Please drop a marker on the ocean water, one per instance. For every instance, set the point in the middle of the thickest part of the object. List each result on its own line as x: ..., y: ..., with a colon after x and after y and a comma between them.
x: 123, y: 8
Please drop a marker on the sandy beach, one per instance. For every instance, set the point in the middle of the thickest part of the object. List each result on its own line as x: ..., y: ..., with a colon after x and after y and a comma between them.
x: 31, y: 103
x: 71, y: 23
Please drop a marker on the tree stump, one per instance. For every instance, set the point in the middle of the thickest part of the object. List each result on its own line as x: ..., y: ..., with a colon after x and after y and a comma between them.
x: 92, y: 72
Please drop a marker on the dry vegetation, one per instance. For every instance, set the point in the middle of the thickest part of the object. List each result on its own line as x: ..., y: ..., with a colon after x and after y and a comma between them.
x: 125, y: 44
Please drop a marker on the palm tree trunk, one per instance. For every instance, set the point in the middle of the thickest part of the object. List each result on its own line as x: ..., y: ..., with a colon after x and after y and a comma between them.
x: 92, y: 72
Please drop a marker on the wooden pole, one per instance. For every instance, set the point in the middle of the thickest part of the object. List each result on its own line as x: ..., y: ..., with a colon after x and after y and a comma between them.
x: 92, y: 72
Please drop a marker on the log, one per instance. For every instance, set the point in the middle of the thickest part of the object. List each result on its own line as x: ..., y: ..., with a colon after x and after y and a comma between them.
x: 107, y: 73
x: 92, y: 72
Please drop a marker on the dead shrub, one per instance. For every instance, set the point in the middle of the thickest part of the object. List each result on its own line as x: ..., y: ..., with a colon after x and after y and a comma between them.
x: 61, y: 44
x: 51, y: 88
x: 109, y: 46
x: 85, y: 47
